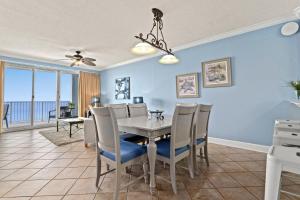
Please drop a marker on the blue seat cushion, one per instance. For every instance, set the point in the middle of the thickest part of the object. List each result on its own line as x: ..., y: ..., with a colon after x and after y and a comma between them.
x: 128, y: 151
x: 132, y: 138
x: 163, y: 148
x: 200, y: 140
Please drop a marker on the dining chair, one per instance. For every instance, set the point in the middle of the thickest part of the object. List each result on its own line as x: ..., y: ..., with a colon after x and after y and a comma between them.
x: 118, y: 154
x: 200, y: 132
x: 5, y: 112
x: 138, y: 110
x: 178, y: 146
x: 121, y: 112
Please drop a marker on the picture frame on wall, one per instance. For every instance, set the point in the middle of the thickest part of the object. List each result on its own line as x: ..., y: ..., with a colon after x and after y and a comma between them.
x: 187, y: 85
x: 122, y: 88
x: 217, y: 73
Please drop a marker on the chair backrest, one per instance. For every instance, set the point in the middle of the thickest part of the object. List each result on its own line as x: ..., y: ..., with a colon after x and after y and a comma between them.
x: 182, y: 122
x: 201, y: 120
x: 121, y: 110
x: 107, y: 132
x: 5, y: 110
x: 138, y: 110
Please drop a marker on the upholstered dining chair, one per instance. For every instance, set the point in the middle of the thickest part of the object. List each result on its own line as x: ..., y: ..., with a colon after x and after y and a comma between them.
x: 178, y: 146
x: 200, y: 132
x: 138, y: 110
x: 118, y: 154
x: 121, y: 112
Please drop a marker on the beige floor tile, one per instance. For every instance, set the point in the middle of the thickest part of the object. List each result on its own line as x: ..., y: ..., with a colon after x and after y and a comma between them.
x: 169, y: 195
x: 236, y: 194
x: 60, y: 163
x: 70, y: 172
x: 7, y: 186
x: 205, y: 194
x: 81, y: 162
x: 222, y: 180
x: 27, y: 188
x: 199, y: 182
x: 109, y: 196
x: 47, y: 198
x: 4, y: 162
x: 57, y: 187
x: 84, y: 186
x: 16, y: 198
x: 6, y: 172
x: 140, y: 196
x: 253, y: 166
x: 231, y: 167
x: 51, y: 155
x: 70, y: 155
x: 33, y: 156
x: 17, y: 164
x: 79, y: 197
x: 39, y: 164
x: 90, y: 172
x: 21, y: 174
x: 258, y: 192
x: 46, y: 174
x: 247, y: 179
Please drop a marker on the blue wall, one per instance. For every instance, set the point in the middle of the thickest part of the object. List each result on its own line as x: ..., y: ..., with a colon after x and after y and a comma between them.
x: 263, y: 62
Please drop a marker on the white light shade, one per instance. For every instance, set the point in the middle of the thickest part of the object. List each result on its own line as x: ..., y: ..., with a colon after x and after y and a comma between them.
x: 168, y: 59
x: 143, y: 48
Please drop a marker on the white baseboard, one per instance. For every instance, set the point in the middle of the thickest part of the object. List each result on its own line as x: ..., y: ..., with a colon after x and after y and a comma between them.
x: 238, y: 144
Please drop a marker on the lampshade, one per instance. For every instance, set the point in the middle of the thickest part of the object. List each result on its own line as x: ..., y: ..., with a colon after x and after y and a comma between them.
x: 138, y: 100
x: 143, y: 48
x: 168, y: 59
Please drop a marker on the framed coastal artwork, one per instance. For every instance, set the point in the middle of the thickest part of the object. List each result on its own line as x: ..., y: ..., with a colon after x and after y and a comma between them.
x: 187, y: 85
x: 217, y: 73
x: 122, y: 88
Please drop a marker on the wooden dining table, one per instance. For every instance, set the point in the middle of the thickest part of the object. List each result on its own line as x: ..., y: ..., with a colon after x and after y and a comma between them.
x: 150, y: 128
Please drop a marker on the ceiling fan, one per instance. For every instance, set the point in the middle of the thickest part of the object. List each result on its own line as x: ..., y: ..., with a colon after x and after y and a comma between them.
x: 78, y: 59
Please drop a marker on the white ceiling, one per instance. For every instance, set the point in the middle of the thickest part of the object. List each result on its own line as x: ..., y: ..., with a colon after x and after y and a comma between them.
x: 45, y: 30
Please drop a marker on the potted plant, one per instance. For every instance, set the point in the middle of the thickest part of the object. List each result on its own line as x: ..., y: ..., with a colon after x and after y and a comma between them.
x: 296, y: 86
x: 71, y: 105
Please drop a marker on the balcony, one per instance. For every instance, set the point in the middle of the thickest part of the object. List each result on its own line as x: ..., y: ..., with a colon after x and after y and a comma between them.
x: 19, y: 113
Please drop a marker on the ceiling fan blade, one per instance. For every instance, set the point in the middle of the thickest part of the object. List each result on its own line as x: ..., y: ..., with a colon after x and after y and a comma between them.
x: 87, y: 62
x: 73, y: 64
x: 68, y: 56
x: 90, y: 59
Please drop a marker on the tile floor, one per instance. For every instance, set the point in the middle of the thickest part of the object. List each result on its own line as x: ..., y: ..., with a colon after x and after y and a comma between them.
x: 33, y: 168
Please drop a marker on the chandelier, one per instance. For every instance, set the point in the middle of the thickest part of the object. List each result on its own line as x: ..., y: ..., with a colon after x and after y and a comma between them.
x: 154, y: 41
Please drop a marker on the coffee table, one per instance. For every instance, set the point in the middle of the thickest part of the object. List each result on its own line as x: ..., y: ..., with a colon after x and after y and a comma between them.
x: 70, y: 121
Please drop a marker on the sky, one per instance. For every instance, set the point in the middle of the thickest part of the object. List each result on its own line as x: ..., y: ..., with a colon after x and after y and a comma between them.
x: 18, y: 85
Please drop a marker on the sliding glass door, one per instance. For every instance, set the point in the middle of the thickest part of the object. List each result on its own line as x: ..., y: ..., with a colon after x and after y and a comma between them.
x: 44, y: 97
x: 18, y: 90
x: 35, y: 97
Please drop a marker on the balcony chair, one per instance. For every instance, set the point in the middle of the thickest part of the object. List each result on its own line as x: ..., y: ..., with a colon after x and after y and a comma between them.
x: 178, y: 146
x: 117, y: 154
x: 200, y: 132
x: 5, y: 112
x: 64, y: 113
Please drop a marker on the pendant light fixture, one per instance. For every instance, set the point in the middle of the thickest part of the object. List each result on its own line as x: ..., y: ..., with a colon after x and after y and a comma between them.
x: 154, y: 41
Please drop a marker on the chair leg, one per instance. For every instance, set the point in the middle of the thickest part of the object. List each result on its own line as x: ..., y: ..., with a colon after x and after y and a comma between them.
x: 107, y: 167
x: 191, y: 164
x: 206, y: 155
x: 117, y: 183
x: 196, y: 169
x: 173, y: 176
x: 273, y: 180
x: 201, y: 153
x: 145, y: 168
x: 6, y: 122
x: 98, y: 170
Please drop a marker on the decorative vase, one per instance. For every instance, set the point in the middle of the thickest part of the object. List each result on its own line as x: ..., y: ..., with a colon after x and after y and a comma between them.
x: 297, y: 94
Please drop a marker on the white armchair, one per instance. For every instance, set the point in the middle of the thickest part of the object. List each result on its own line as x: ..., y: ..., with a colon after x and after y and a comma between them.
x: 89, y: 132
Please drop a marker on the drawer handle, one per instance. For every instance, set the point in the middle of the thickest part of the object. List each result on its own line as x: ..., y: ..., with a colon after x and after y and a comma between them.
x: 290, y: 125
x: 294, y: 134
x: 298, y: 154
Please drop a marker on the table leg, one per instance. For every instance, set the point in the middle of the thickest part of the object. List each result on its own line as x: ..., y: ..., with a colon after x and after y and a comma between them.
x: 56, y: 125
x: 273, y: 179
x: 152, y: 157
x: 70, y: 130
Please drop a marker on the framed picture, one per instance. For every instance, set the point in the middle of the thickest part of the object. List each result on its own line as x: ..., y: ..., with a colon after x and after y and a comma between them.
x: 216, y: 73
x: 187, y: 85
x: 122, y: 88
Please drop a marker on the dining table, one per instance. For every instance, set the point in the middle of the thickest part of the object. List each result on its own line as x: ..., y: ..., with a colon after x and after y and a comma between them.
x: 150, y: 128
